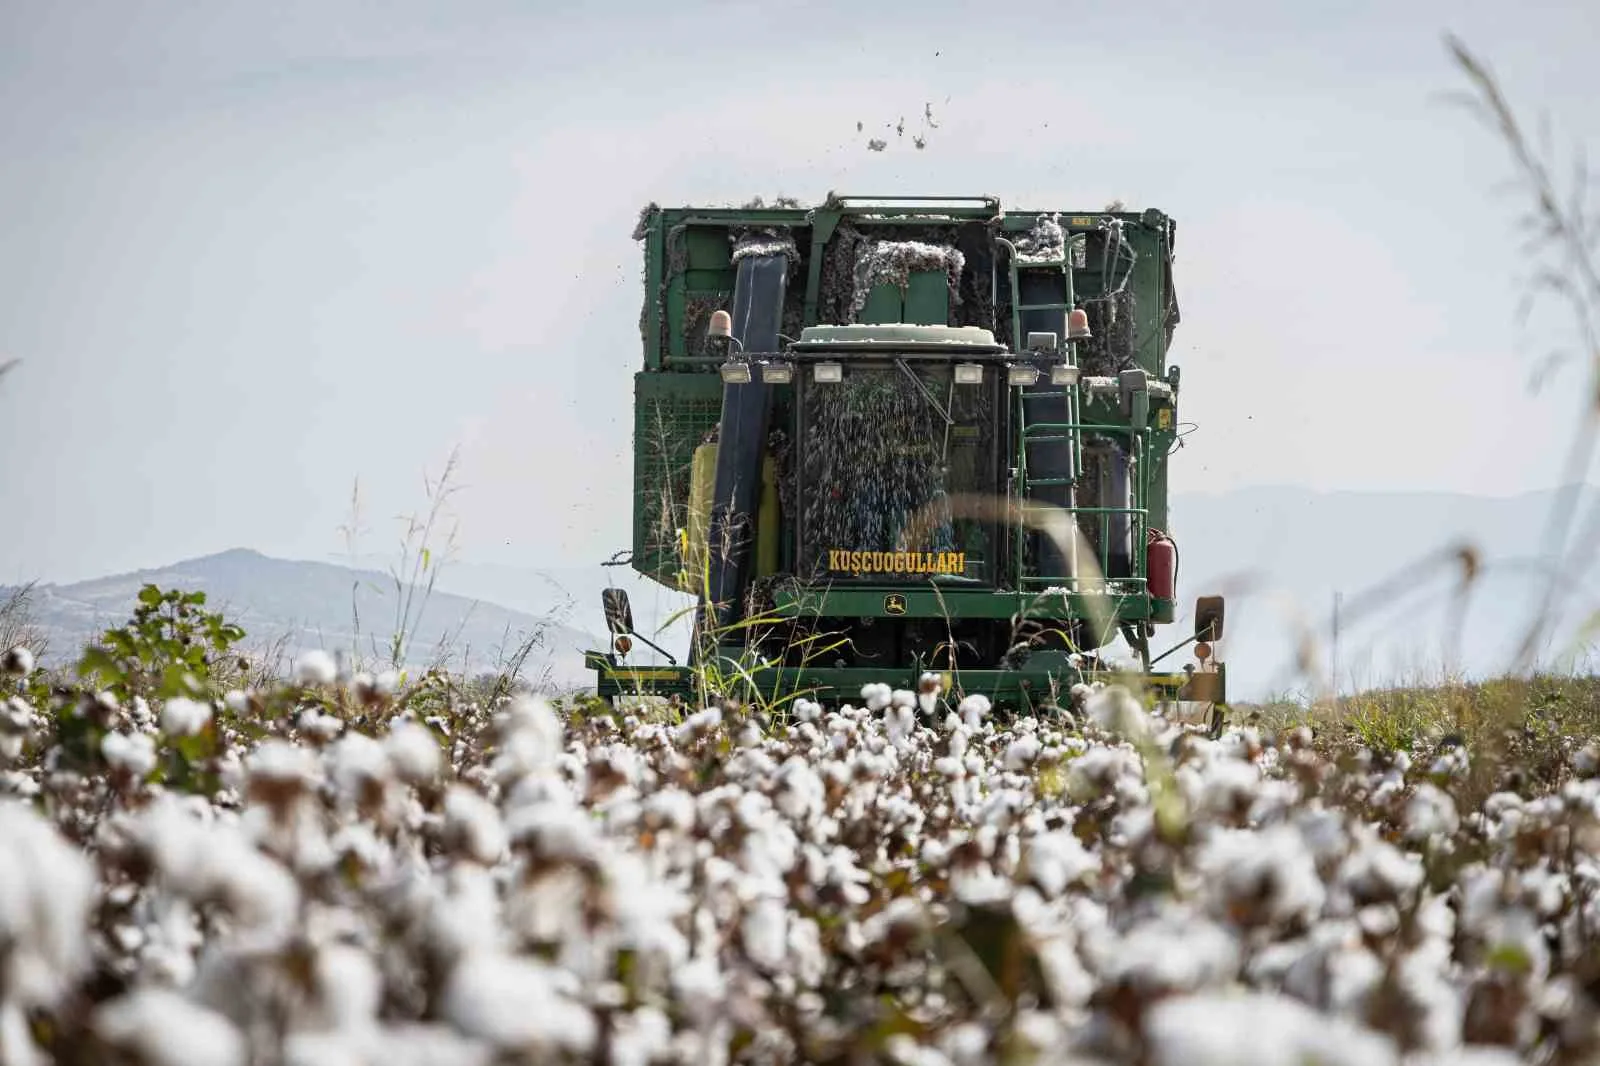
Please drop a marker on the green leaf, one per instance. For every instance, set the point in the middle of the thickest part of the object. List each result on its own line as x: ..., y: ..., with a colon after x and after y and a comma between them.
x: 99, y: 661
x: 150, y: 596
x: 1510, y: 957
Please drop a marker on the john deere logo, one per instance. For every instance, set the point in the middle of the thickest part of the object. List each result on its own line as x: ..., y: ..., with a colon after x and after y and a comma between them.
x: 894, y: 603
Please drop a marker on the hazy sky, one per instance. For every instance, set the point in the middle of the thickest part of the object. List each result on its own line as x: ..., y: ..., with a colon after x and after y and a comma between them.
x: 250, y: 253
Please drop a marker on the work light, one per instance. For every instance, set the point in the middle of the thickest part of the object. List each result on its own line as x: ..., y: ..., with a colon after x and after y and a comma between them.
x: 1022, y: 374
x: 1062, y: 374
x: 734, y: 372
x: 777, y: 373
x: 828, y: 373
x: 969, y: 373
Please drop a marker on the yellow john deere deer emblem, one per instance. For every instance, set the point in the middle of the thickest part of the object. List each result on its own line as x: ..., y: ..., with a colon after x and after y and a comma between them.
x: 894, y: 603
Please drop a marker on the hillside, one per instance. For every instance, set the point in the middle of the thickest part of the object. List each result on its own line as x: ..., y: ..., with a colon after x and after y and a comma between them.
x: 1281, y: 554
x: 316, y: 605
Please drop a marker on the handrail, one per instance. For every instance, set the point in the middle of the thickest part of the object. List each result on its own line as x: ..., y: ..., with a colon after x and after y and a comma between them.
x: 846, y: 201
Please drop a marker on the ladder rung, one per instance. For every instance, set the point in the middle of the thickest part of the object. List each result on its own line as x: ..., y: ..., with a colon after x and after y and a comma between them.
x: 1043, y: 307
x: 1045, y: 438
x: 1054, y: 394
x: 1048, y: 482
x: 1040, y: 264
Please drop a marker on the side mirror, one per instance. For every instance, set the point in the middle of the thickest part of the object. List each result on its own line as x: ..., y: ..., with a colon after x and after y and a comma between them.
x: 619, y: 613
x: 1208, y: 618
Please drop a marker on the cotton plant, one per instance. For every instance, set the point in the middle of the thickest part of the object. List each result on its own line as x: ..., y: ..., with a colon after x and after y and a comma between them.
x: 323, y: 873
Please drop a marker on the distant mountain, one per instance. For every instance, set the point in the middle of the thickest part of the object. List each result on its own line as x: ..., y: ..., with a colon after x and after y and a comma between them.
x: 317, y: 605
x: 1279, y: 554
x: 1282, y: 554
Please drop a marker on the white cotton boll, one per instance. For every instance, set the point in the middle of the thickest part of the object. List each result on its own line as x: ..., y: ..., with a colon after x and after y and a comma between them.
x: 973, y: 709
x: 1467, y: 1055
x: 809, y: 961
x: 1323, y: 833
x: 46, y: 892
x: 802, y: 795
x: 640, y: 1038
x: 876, y: 696
x: 17, y: 661
x: 901, y: 722
x: 279, y: 762
x: 700, y: 987
x: 475, y: 824
x: 1454, y: 762
x: 674, y: 808
x: 406, y: 1044
x: 1430, y: 812
x: 1115, y: 710
x: 207, y: 862
x: 967, y: 1044
x: 135, y: 753
x: 1021, y: 753
x: 698, y: 724
x: 1258, y: 1029
x: 413, y: 751
x: 316, y: 667
x: 17, y: 1047
x: 1229, y: 785
x: 236, y: 701
x: 1055, y: 860
x: 765, y: 933
x: 1267, y: 875
x: 807, y: 710
x: 167, y: 956
x: 1379, y: 871
x: 183, y: 717
x: 358, y: 762
x: 516, y: 1002
x: 1176, y: 951
x: 17, y: 717
x: 350, y: 987
x: 165, y: 1029
x: 325, y: 1048
x: 323, y: 727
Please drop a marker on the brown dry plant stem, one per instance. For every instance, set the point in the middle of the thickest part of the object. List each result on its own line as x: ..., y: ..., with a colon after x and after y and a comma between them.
x: 1559, y: 227
x: 17, y: 626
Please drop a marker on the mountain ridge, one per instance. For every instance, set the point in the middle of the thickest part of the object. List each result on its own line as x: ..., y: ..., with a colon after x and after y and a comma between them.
x: 306, y: 604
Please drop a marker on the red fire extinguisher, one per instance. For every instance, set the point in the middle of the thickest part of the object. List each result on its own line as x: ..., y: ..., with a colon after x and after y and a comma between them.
x: 1161, y: 565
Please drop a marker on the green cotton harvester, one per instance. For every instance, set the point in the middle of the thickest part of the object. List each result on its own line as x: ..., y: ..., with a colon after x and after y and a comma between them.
x: 919, y: 442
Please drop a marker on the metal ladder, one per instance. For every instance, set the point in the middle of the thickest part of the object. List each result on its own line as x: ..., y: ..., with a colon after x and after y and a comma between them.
x: 1051, y: 430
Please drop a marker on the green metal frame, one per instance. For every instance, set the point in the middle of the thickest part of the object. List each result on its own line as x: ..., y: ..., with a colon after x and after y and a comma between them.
x: 1022, y: 690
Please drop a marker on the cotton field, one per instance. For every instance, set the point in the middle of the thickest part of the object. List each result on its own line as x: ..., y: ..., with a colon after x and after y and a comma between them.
x: 314, y: 876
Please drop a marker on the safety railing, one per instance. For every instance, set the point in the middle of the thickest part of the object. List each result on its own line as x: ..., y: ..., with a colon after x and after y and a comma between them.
x: 1138, y: 515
